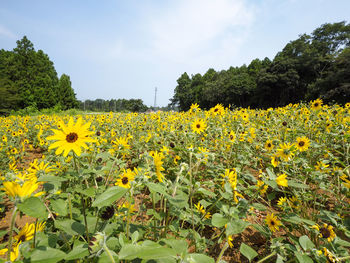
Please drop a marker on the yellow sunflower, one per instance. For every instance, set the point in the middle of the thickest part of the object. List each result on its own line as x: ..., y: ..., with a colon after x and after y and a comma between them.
x: 27, y: 232
x: 285, y: 151
x: 326, y: 231
x: 201, y: 209
x: 272, y: 222
x: 199, y: 126
x: 71, y: 137
x: 269, y: 145
x: 316, y: 104
x: 282, y: 181
x: 232, y: 136
x: 302, y: 143
x: 125, y: 178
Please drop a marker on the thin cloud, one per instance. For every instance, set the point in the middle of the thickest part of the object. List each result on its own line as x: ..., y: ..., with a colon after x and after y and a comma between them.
x: 190, y: 29
x: 6, y: 32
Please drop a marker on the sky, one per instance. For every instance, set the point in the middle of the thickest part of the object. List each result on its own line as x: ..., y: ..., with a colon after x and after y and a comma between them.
x: 123, y: 49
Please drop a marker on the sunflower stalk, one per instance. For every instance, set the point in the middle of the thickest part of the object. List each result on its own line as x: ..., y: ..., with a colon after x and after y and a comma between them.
x: 13, y: 220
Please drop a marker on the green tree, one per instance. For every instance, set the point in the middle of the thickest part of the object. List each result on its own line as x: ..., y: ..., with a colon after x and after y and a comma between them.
x: 66, y: 93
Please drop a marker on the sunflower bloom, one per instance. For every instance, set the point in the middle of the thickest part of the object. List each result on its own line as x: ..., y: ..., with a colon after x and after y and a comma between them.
x: 126, y: 178
x: 326, y: 231
x: 273, y: 222
x: 157, y: 159
x: 282, y: 181
x: 27, y: 232
x: 302, y: 143
x: 285, y: 151
x: 72, y: 137
x: 199, y: 126
x: 201, y: 209
x: 24, y: 191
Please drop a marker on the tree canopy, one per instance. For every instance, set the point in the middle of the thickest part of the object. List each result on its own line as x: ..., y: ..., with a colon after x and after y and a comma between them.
x: 28, y: 78
x: 312, y: 66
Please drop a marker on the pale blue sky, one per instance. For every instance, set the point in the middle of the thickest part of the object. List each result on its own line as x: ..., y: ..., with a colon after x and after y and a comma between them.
x: 124, y: 49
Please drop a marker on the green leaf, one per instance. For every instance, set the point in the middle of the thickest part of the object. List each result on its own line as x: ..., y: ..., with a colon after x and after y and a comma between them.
x: 80, y: 251
x: 297, y: 185
x: 51, y: 178
x: 271, y: 174
x: 111, y: 195
x: 218, y: 220
x: 236, y: 226
x: 59, y: 206
x: 157, y: 188
x: 70, y: 226
x: 33, y: 207
x: 303, y: 258
x: 156, y: 251
x: 47, y: 255
x: 247, y: 251
x: 306, y: 243
x: 206, y: 192
x: 198, y: 258
x: 180, y: 246
x: 89, y: 192
x: 342, y: 242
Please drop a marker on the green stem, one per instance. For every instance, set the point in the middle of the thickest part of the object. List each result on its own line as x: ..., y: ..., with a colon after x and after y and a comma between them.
x: 35, y: 227
x: 128, y: 214
x: 267, y: 257
x: 105, y: 248
x: 222, y: 252
x: 85, y: 221
x: 70, y: 206
x: 13, y: 220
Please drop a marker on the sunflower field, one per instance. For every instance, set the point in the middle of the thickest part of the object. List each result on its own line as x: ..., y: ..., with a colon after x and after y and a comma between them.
x: 222, y: 185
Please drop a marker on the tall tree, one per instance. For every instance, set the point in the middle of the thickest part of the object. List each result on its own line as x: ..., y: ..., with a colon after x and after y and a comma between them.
x: 66, y: 94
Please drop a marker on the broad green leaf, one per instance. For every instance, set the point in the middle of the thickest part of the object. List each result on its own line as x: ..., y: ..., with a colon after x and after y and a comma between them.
x: 198, y: 258
x: 218, y: 220
x: 303, y: 258
x: 342, y: 242
x: 111, y: 195
x: 157, y: 188
x: 47, y: 255
x: 80, y: 251
x: 104, y: 258
x: 70, y: 226
x: 206, y: 192
x: 33, y: 207
x: 51, y: 178
x: 59, y: 206
x: 247, y: 251
x: 271, y: 174
x: 130, y: 252
x: 90, y: 192
x: 236, y: 226
x: 180, y: 246
x: 306, y: 243
x: 297, y: 185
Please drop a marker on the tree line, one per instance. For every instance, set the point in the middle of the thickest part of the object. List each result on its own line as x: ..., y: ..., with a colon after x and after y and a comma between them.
x: 133, y: 105
x: 313, y: 66
x: 28, y: 79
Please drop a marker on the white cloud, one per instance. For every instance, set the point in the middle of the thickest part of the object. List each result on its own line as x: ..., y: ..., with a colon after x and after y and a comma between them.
x: 6, y: 32
x: 201, y: 30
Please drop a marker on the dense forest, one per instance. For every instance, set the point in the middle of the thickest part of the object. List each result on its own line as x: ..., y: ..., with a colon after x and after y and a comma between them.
x: 312, y: 66
x: 133, y: 105
x: 28, y: 79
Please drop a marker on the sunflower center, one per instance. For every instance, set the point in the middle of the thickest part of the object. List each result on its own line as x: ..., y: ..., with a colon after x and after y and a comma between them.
x: 125, y: 180
x: 316, y: 104
x: 22, y: 238
x: 269, y: 145
x: 325, y: 232
x: 301, y: 144
x: 72, y: 137
x: 231, y: 137
x: 272, y: 223
x: 198, y: 126
x: 216, y: 110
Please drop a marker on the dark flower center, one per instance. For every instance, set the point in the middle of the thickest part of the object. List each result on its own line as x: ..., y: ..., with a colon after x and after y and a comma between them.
x: 98, y: 133
x: 216, y: 110
x: 22, y: 238
x: 316, y: 105
x: 272, y: 222
x: 72, y: 137
x: 198, y: 126
x: 301, y: 144
x: 231, y: 137
x: 325, y: 232
x: 269, y: 145
x: 284, y: 123
x: 125, y: 180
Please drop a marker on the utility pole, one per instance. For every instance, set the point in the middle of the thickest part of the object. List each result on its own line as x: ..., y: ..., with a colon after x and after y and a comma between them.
x: 155, y: 97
